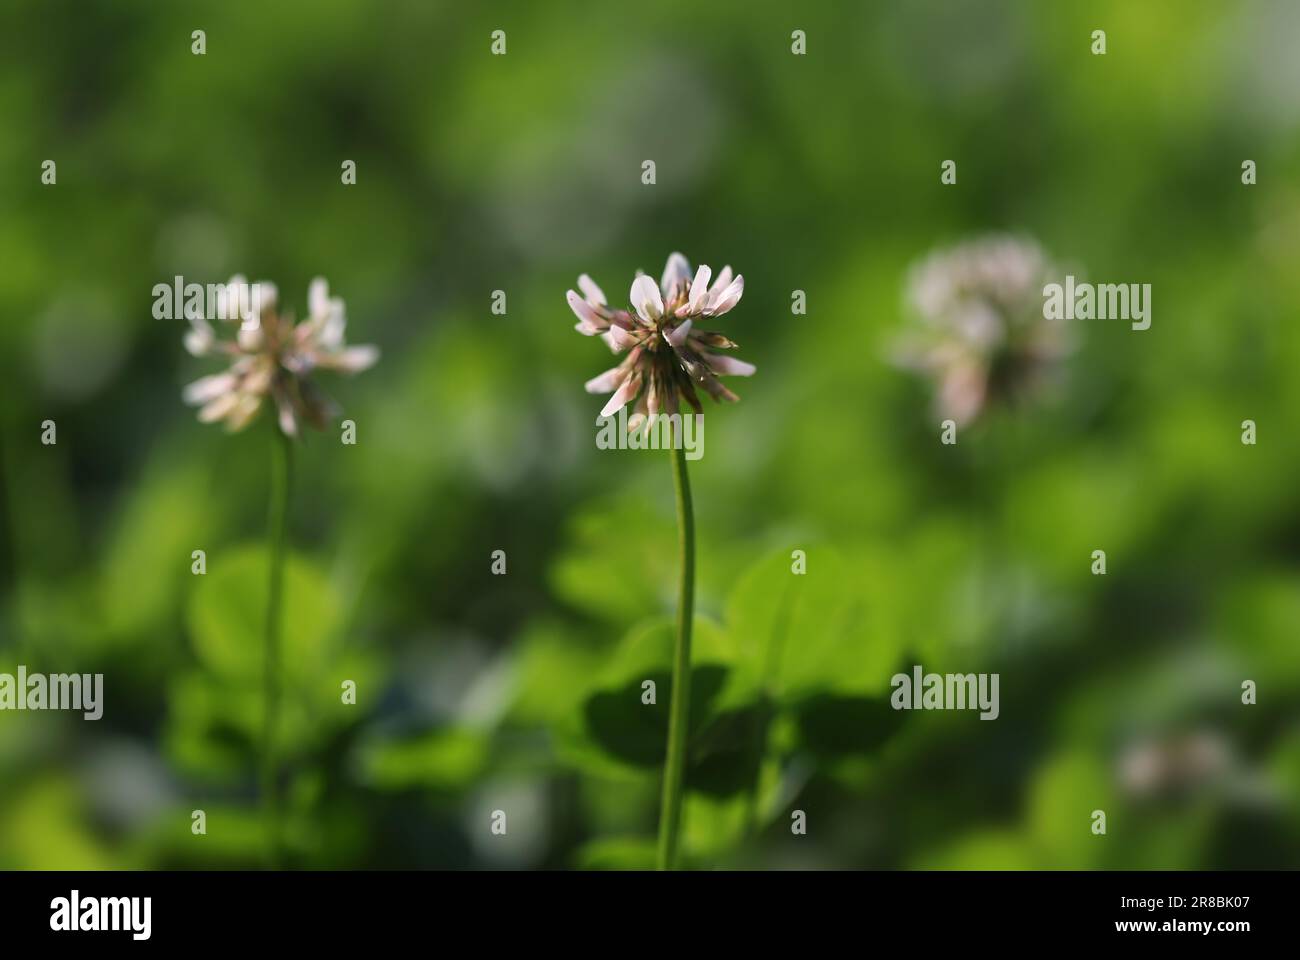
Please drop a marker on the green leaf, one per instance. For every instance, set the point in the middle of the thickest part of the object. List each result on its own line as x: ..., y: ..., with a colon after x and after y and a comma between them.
x: 724, y: 757
x: 1065, y: 792
x: 440, y: 759
x: 616, y: 853
x: 227, y: 616
x: 984, y: 850
x: 616, y: 732
x: 146, y: 562
x: 712, y: 827
x: 553, y: 669
x: 833, y: 726
x: 611, y: 536
x: 831, y: 628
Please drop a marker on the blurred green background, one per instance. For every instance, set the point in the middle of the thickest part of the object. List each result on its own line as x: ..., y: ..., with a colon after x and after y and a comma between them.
x: 522, y: 692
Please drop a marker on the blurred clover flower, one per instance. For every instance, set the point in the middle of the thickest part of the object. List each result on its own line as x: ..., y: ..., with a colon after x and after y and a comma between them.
x: 667, y: 356
x: 981, y: 335
x: 271, y: 355
x: 1175, y: 764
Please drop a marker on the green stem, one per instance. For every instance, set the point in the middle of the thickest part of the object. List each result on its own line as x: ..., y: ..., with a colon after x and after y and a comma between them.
x: 281, y: 480
x: 670, y: 817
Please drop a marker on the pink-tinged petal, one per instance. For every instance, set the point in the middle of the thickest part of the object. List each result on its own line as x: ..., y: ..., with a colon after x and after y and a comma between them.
x: 318, y: 299
x: 700, y: 289
x: 258, y: 380
x: 619, y: 339
x: 652, y: 397
x: 245, y: 409
x: 334, y: 323
x: 590, y: 322
x: 640, y: 415
x: 962, y: 391
x: 625, y: 393
x: 355, y: 359
x: 677, y: 335
x: 720, y: 282
x: 728, y: 366
x: 250, y: 336
x: 199, y: 340
x: 727, y: 299
x: 263, y: 295
x: 607, y: 382
x: 591, y: 292
x: 646, y: 300
x: 232, y: 298
x: 206, y: 389
x: 676, y: 271
x: 219, y: 408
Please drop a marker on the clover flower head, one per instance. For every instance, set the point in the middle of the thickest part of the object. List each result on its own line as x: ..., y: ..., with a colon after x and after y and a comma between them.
x: 668, y: 355
x: 271, y: 355
x: 981, y: 334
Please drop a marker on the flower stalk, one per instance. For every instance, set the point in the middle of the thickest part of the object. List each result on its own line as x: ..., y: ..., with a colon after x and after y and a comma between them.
x: 281, y: 485
x: 670, y: 817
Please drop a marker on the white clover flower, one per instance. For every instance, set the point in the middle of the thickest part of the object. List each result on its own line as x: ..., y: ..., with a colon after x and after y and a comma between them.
x: 667, y: 355
x: 271, y: 355
x: 981, y: 334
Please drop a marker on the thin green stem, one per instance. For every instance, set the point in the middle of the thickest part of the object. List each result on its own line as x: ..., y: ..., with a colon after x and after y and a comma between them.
x: 281, y: 482
x: 670, y: 817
